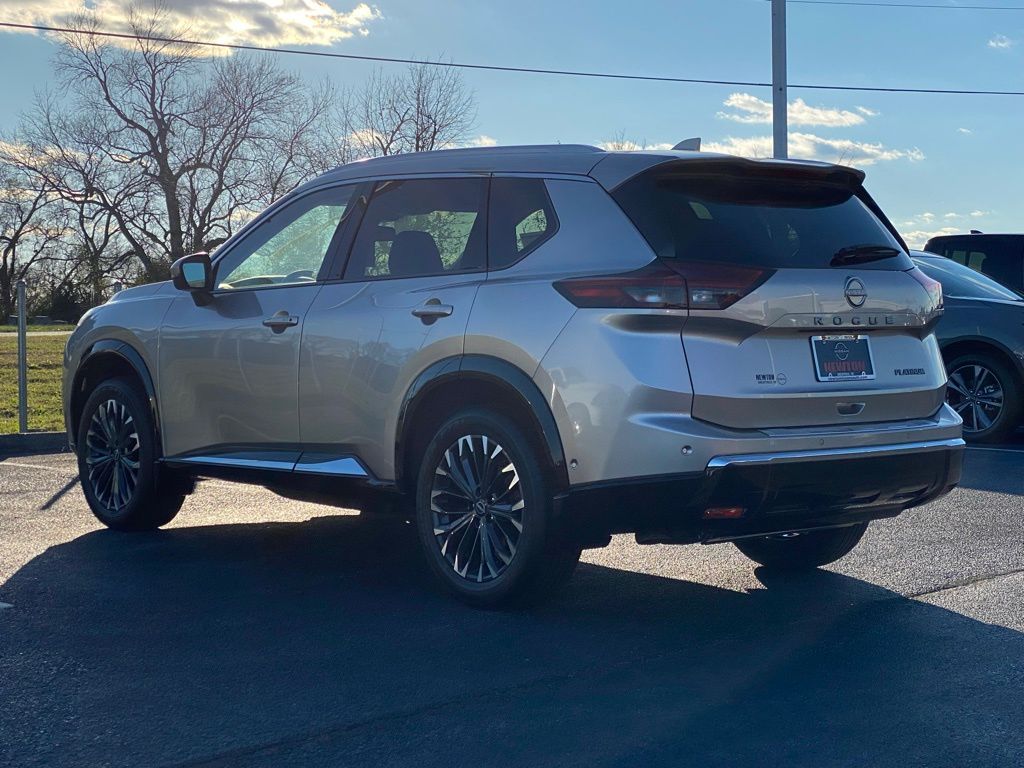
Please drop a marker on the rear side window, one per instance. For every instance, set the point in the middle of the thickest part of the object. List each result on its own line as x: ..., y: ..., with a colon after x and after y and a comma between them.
x: 958, y: 280
x: 521, y: 218
x: 419, y: 227
x: 756, y: 221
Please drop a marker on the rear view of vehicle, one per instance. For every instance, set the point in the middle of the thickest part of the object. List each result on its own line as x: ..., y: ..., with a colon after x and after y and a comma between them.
x: 770, y: 376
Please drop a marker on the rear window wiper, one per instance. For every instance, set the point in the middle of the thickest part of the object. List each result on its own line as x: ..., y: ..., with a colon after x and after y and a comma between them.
x: 860, y: 254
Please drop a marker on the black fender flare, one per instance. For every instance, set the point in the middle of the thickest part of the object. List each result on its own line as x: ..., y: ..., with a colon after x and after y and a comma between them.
x: 493, y: 370
x: 128, y: 354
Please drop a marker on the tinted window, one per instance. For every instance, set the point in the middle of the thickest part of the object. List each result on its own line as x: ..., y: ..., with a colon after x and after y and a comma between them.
x: 420, y: 227
x: 999, y: 259
x: 521, y: 219
x: 958, y: 280
x: 759, y: 221
x: 289, y: 247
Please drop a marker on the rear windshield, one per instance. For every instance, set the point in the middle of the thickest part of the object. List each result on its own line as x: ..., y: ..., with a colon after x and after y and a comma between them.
x: 958, y: 280
x: 753, y: 221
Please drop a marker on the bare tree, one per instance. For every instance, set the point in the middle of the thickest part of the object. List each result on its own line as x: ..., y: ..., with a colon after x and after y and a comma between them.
x: 30, y: 230
x: 175, y: 149
x: 423, y: 108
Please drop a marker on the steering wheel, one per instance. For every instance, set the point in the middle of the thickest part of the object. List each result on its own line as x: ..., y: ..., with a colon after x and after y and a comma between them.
x: 298, y: 274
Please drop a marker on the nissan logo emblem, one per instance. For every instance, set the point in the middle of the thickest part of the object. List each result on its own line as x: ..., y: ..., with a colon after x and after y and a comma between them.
x: 855, y: 293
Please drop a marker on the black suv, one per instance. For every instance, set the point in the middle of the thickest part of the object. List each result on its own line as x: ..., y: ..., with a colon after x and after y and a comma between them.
x: 1001, y: 257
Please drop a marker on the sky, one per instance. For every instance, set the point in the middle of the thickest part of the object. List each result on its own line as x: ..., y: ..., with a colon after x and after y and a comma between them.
x: 935, y: 163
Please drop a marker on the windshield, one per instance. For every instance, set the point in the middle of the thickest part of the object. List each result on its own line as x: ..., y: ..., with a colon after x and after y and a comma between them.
x: 958, y: 280
x: 768, y: 222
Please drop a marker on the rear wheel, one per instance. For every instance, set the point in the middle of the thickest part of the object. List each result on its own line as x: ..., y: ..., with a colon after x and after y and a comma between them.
x: 483, y: 512
x: 802, y: 551
x: 987, y: 396
x: 117, y: 453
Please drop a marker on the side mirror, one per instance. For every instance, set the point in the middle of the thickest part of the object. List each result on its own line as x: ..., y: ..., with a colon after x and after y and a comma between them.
x: 194, y: 273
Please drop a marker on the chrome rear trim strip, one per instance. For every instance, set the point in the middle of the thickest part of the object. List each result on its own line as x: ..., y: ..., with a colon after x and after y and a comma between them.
x: 828, y: 454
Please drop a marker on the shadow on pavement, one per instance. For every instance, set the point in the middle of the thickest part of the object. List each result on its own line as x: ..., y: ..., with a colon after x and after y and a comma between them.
x: 323, y: 643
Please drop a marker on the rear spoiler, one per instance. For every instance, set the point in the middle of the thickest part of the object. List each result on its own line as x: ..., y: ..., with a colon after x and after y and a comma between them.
x: 618, y: 168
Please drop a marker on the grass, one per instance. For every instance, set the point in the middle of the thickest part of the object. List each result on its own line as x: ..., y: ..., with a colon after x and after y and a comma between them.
x: 69, y: 327
x: 44, y: 368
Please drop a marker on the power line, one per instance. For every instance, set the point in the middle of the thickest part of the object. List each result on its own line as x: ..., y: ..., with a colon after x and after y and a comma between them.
x: 498, y: 68
x: 932, y: 6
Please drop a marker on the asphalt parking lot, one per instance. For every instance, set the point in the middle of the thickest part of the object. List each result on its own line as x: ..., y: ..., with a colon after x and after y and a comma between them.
x: 256, y: 631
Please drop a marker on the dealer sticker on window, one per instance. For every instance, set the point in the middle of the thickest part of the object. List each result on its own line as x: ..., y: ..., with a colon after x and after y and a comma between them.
x: 842, y: 358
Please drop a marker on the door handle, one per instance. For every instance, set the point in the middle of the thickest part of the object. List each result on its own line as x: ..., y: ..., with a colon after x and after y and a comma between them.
x: 432, y: 309
x: 280, y: 320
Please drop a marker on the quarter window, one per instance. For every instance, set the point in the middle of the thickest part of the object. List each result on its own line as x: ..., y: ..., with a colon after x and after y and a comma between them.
x: 419, y: 227
x: 289, y: 247
x: 521, y: 219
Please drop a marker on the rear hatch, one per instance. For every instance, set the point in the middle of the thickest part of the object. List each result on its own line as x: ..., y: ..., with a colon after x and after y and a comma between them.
x: 804, y: 308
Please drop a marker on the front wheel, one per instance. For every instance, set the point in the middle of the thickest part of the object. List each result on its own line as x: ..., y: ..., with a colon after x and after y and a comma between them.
x: 802, y: 551
x: 117, y: 453
x: 483, y: 512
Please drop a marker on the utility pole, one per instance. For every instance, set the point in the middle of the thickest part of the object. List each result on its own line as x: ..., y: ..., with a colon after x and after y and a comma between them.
x: 780, y: 99
x: 22, y: 361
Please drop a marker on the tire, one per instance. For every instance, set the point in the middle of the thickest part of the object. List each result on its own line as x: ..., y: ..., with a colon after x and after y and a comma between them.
x: 977, y: 382
x: 483, y: 484
x: 116, y: 431
x: 803, y: 551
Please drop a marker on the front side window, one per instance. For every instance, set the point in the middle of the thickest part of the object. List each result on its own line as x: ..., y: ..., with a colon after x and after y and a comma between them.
x: 419, y: 227
x: 522, y: 217
x: 289, y: 247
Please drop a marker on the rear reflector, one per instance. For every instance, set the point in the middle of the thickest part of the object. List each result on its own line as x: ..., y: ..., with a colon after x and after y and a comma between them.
x: 724, y: 513
x: 666, y: 284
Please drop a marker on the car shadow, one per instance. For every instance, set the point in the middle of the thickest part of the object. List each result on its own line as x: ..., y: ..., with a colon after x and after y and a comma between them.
x: 994, y: 468
x: 324, y: 643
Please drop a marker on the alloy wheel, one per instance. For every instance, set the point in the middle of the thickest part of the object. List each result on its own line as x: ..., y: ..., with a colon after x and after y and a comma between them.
x: 112, y: 454
x: 477, y: 504
x: 976, y: 394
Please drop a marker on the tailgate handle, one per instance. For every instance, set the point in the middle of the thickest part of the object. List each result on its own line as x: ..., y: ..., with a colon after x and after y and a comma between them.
x: 849, y: 409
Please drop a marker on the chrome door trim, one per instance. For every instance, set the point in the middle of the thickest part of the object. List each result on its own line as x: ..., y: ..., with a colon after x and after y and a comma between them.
x: 324, y: 464
x: 828, y: 454
x: 306, y: 464
x: 234, y: 461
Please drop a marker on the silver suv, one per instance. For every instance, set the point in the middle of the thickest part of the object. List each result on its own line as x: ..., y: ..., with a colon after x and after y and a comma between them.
x: 529, y: 349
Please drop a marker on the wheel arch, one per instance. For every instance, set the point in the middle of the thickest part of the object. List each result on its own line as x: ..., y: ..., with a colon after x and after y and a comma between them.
x: 474, y: 379
x: 103, y: 360
x: 965, y: 345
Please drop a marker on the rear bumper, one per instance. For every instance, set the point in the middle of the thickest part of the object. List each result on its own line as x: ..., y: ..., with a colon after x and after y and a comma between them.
x: 777, y: 492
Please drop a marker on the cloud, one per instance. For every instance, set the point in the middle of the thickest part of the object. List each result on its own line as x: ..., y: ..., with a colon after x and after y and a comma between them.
x: 751, y: 110
x: 483, y: 140
x: 248, y: 22
x: 808, y: 146
x: 1001, y: 42
x: 952, y: 216
x: 979, y: 214
x: 966, y: 131
x: 918, y: 237
x: 628, y: 145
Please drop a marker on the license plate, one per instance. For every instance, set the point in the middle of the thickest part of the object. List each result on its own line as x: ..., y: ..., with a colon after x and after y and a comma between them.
x: 842, y: 358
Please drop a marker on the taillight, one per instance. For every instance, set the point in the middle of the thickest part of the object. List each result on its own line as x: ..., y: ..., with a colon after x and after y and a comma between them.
x: 666, y: 285
x: 933, y: 287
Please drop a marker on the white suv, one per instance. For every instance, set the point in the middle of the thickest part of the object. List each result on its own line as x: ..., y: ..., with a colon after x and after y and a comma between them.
x: 528, y: 349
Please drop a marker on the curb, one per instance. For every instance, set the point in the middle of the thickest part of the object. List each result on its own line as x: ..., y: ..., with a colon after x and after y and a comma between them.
x: 33, y: 442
